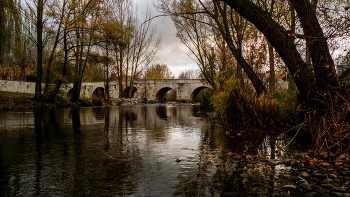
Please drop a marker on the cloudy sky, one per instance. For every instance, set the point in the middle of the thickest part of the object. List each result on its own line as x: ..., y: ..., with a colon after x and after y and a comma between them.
x: 172, y: 51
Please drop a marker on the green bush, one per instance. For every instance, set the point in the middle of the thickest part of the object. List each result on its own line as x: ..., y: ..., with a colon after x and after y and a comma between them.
x: 205, y: 99
x: 286, y: 100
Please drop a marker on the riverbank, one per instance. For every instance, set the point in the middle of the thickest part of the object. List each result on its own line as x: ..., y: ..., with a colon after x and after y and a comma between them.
x: 22, y: 101
x: 17, y: 101
x: 284, y: 177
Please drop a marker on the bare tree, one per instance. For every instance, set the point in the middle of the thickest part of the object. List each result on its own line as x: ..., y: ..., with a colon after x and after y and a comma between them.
x: 59, y: 10
x: 39, y: 47
x: 85, y: 22
x: 199, y: 24
x: 136, y: 48
x: 189, y: 74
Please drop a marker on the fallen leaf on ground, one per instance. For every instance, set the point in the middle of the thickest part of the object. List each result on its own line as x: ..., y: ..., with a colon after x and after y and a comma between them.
x: 325, y: 164
x: 340, y: 157
x: 338, y: 163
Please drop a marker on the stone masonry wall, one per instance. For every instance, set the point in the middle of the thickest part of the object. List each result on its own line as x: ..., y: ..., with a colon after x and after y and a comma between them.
x: 146, y: 89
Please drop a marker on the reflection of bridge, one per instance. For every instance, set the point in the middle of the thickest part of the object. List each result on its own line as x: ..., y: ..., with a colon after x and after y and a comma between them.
x: 151, y: 89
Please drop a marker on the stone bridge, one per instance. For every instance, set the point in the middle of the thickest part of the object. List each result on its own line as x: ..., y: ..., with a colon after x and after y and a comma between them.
x: 150, y: 89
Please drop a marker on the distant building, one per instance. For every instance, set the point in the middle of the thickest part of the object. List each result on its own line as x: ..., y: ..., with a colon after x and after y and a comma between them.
x: 281, y: 80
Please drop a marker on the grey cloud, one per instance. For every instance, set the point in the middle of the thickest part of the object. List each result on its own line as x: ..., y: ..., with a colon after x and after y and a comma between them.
x: 172, y: 51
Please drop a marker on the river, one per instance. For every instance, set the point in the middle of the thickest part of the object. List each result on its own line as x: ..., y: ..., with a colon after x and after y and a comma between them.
x: 141, y: 150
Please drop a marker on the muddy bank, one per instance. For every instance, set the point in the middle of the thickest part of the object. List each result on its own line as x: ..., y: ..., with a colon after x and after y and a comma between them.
x: 18, y: 104
x: 263, y: 177
x: 232, y: 174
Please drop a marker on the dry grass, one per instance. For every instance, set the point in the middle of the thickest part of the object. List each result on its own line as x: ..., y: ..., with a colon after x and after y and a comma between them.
x: 243, y: 110
x: 330, y: 130
x: 15, y: 95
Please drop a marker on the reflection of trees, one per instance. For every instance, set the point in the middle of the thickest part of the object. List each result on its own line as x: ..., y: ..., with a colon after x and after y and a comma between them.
x: 73, y: 158
x: 219, y: 172
x: 197, y: 112
x: 164, y: 117
x: 161, y: 111
x: 99, y: 112
x: 4, y: 169
x: 106, y: 128
x: 38, y: 150
x: 249, y: 176
x: 165, y: 113
x: 246, y: 142
x: 128, y: 116
x: 105, y: 159
x: 78, y: 179
x: 122, y: 162
x: 99, y: 159
x: 211, y: 167
x: 173, y: 113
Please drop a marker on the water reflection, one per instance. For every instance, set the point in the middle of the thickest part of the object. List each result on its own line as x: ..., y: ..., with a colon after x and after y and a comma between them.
x: 38, y: 151
x: 146, y: 150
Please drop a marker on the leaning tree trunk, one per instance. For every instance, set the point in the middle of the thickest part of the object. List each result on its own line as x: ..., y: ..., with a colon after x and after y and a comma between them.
x: 281, y: 41
x: 316, y: 42
x: 272, y: 78
x: 225, y: 31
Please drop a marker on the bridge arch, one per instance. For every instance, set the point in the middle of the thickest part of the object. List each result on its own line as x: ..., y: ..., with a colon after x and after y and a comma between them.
x: 126, y: 92
x: 160, y: 96
x: 98, y: 93
x: 196, y: 92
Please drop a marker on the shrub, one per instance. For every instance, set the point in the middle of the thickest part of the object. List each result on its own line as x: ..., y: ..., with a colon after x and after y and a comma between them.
x: 205, y: 99
x: 286, y: 100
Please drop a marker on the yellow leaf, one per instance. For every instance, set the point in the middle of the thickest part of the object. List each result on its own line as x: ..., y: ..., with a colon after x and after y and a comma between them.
x: 325, y: 164
x: 340, y: 157
x: 263, y: 167
x: 338, y: 163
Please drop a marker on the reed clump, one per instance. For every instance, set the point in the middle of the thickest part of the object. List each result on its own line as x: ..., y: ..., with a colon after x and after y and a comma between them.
x: 325, y: 122
x: 239, y: 108
x: 329, y: 128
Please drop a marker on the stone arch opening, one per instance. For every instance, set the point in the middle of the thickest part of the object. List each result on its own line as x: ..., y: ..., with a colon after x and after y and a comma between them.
x: 196, y: 92
x: 166, y: 94
x: 127, y: 92
x: 98, y: 94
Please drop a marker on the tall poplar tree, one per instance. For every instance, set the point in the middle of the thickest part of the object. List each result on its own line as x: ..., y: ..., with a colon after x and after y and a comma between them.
x: 39, y: 46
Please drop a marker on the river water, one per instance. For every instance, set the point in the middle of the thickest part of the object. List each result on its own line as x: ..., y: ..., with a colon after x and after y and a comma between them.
x: 142, y: 150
